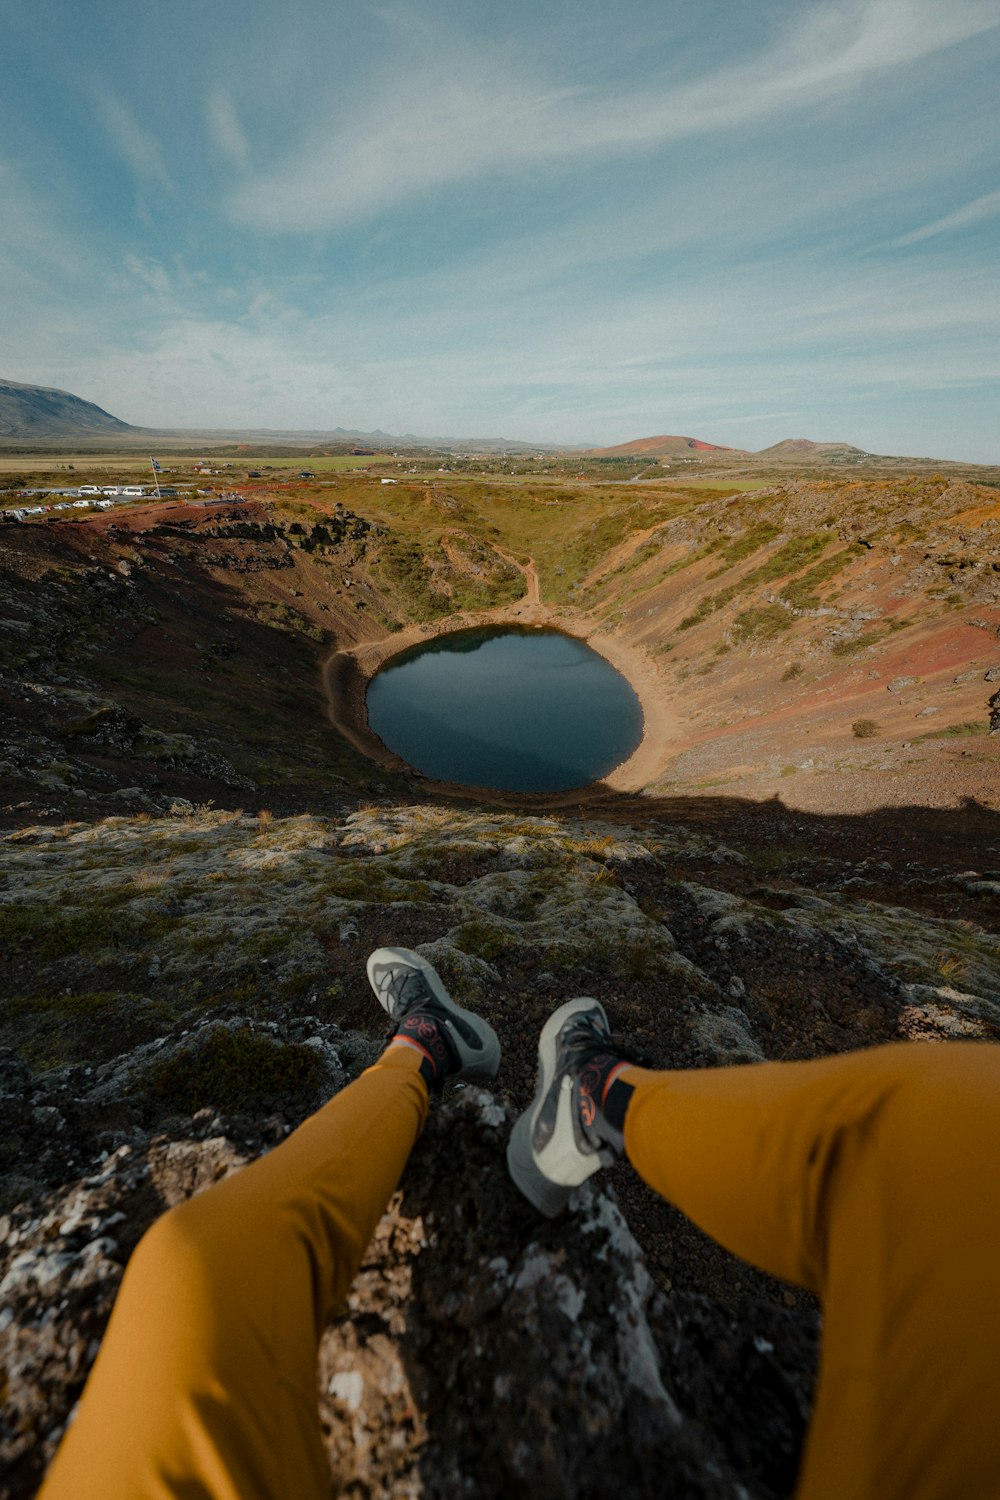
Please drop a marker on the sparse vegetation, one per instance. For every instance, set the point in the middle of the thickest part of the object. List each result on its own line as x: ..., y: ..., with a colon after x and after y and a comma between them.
x: 852, y: 645
x: 754, y: 626
x: 957, y: 731
x: 864, y: 729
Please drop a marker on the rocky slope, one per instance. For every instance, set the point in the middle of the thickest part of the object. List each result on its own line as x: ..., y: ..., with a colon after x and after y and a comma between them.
x: 194, y: 869
x: 181, y: 990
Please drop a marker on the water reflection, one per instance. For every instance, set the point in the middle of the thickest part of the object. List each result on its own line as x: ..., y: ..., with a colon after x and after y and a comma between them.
x: 512, y: 708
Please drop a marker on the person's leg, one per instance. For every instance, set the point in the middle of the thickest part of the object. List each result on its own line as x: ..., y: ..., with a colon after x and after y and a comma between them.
x: 205, y: 1385
x: 868, y: 1178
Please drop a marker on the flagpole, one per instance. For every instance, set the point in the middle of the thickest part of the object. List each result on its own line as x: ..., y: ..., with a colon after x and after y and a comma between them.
x: 156, y: 482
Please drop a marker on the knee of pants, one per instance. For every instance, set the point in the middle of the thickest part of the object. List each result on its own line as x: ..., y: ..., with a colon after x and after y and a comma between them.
x: 176, y: 1254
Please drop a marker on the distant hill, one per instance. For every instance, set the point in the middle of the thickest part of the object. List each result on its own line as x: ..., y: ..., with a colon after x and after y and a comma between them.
x: 43, y: 414
x: 804, y: 447
x: 663, y: 447
x: 40, y: 413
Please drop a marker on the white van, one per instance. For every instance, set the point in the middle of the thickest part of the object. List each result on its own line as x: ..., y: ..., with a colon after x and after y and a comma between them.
x: 88, y: 489
x: 134, y: 491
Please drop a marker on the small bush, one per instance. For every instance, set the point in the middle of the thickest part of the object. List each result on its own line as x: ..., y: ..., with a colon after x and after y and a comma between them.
x: 858, y: 643
x: 761, y: 624
x: 792, y: 671
x: 864, y: 729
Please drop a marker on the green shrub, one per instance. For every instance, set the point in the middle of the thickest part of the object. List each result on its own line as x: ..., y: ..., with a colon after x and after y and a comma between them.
x: 762, y: 624
x: 864, y: 729
x: 859, y: 643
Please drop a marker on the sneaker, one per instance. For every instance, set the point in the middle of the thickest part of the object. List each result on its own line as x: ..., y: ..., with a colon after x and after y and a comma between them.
x: 408, y: 986
x: 554, y: 1146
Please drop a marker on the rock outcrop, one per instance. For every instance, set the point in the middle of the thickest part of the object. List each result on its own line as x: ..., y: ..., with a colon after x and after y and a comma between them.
x: 483, y: 1350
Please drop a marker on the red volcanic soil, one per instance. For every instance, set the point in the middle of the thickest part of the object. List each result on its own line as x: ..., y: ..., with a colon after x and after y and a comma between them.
x: 665, y: 445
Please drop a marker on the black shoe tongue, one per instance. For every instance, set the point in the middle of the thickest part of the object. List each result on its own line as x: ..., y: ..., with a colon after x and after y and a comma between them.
x: 469, y: 1035
x: 412, y: 992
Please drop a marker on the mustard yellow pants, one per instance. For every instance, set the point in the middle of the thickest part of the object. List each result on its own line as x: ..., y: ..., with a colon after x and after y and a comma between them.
x: 205, y: 1384
x: 874, y: 1180
x: 870, y: 1178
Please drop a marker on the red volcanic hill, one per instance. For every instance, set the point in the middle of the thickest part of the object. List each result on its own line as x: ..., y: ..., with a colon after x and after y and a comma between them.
x: 664, y: 447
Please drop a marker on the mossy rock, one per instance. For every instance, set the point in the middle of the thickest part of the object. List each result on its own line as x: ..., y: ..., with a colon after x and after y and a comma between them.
x: 232, y: 1069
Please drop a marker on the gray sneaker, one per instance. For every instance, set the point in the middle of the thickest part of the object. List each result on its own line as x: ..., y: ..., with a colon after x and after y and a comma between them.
x: 409, y: 989
x: 551, y: 1151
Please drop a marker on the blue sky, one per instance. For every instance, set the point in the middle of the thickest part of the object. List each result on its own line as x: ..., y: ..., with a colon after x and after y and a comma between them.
x: 560, y: 222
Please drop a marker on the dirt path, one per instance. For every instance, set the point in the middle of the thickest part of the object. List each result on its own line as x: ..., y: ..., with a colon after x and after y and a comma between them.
x: 533, y: 590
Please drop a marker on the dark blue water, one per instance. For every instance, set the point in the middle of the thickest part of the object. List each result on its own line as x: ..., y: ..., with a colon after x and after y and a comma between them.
x: 515, y: 709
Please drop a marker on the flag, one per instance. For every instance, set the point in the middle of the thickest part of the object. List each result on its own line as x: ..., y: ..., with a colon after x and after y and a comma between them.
x: 156, y: 467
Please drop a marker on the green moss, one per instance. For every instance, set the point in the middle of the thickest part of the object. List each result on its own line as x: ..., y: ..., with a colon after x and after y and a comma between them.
x: 46, y: 932
x: 481, y: 939
x: 51, y: 1028
x: 233, y: 1070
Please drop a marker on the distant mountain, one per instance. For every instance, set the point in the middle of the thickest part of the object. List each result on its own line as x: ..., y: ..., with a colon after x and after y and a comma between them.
x: 663, y: 447
x: 41, y: 413
x: 381, y: 441
x: 804, y: 447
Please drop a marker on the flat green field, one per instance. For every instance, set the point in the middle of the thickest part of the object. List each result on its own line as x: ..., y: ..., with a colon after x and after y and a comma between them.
x: 38, y: 463
x: 315, y: 465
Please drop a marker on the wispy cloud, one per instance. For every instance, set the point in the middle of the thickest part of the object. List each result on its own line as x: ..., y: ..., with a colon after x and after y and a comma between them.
x: 986, y: 207
x: 225, y: 129
x: 133, y: 142
x: 464, y: 113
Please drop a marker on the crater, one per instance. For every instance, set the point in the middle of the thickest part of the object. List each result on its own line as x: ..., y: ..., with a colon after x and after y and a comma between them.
x: 506, y: 708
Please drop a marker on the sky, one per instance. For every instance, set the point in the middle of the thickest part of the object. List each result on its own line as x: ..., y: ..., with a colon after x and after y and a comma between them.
x: 565, y: 222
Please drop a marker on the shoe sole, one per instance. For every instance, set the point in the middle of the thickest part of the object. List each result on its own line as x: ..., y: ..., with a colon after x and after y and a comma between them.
x: 547, y: 1196
x: 484, y: 1067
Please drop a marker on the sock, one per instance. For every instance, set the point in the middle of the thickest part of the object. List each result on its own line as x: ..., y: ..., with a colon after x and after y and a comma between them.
x: 604, y: 1098
x: 422, y: 1032
x: 616, y: 1101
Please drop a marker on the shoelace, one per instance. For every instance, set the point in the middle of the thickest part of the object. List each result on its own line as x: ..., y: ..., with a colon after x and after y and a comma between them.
x: 408, y: 990
x: 589, y: 1036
